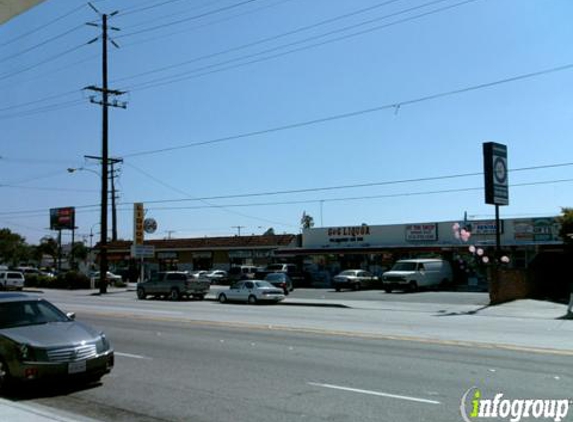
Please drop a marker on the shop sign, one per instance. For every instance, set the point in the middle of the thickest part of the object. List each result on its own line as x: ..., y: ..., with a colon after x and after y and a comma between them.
x: 202, y: 255
x: 421, y: 232
x: 543, y: 230
x: 167, y: 255
x: 138, y: 215
x: 240, y: 254
x: 261, y: 254
x: 523, y: 230
x: 348, y: 234
x: 485, y: 227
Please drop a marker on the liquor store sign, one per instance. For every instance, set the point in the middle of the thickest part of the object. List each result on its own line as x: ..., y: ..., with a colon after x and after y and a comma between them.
x: 138, y: 219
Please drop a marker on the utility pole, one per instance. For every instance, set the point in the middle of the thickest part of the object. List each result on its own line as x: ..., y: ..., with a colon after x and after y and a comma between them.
x: 238, y: 229
x: 113, y: 175
x: 104, y: 102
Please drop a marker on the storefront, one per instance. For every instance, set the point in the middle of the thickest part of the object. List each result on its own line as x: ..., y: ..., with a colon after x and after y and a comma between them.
x: 468, y: 245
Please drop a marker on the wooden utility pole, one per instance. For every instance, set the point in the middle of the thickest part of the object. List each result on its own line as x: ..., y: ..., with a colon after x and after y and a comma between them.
x: 104, y: 102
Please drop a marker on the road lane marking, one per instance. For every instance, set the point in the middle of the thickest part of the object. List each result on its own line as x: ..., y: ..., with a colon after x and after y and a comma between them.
x: 374, y: 393
x: 129, y: 355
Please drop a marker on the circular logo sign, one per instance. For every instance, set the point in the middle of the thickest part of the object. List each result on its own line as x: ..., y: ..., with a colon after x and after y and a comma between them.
x: 149, y: 225
x: 500, y: 170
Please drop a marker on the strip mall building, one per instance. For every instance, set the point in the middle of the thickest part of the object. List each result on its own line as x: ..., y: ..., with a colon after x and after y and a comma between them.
x: 327, y: 250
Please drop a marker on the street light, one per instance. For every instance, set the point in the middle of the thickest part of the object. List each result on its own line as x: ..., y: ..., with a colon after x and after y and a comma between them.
x: 74, y: 169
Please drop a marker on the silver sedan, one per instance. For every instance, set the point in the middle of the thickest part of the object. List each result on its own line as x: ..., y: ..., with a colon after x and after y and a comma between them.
x: 39, y: 341
x: 251, y: 291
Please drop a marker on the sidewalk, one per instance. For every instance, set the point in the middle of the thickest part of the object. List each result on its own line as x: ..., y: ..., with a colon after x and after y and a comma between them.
x: 17, y: 412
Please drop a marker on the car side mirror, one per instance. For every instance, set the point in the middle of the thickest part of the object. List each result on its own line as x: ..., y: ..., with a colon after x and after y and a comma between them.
x: 71, y: 315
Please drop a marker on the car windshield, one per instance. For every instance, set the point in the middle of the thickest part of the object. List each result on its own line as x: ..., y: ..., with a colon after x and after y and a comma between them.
x: 23, y: 313
x: 275, y: 277
x: 348, y: 272
x: 404, y: 266
x: 263, y: 284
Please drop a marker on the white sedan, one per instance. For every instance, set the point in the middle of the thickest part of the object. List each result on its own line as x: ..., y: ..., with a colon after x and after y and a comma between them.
x: 251, y: 291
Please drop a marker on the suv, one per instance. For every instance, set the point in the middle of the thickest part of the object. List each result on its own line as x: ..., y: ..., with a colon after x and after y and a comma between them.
x: 241, y: 272
x: 11, y: 280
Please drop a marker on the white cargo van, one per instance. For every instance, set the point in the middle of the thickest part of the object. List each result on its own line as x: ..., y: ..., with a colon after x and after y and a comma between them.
x: 412, y: 274
x: 11, y: 280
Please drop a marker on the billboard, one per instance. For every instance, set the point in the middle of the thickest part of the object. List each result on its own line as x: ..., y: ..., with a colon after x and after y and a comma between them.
x: 138, y: 218
x: 495, y: 172
x: 62, y: 218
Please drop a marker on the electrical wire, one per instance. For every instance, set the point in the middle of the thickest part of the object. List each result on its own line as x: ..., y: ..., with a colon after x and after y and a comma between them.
x: 202, y: 71
x: 201, y: 15
x: 43, y: 43
x: 263, y: 40
x: 39, y: 28
x: 351, y: 114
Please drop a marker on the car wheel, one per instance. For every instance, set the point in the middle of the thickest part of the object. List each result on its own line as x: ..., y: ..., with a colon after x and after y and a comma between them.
x: 356, y: 286
x: 286, y: 292
x: 388, y: 289
x: 174, y: 295
x: 222, y: 298
x: 4, y: 376
x: 337, y: 288
x: 413, y: 286
x: 141, y: 294
x: 252, y: 299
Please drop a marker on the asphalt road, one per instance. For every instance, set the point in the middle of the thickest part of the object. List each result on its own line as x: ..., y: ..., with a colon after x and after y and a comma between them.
x: 169, y: 370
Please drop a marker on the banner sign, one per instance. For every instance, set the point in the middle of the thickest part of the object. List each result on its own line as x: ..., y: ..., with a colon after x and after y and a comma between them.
x: 62, y: 218
x: 421, y: 232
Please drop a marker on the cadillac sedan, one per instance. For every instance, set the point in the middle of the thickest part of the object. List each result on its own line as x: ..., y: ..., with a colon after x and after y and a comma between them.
x: 251, y: 291
x: 38, y: 341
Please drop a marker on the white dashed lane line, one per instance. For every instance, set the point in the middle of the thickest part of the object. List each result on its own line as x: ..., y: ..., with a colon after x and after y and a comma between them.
x: 374, y: 393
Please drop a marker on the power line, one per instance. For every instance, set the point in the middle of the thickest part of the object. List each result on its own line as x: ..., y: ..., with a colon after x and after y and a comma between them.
x: 38, y: 64
x: 189, y: 197
x: 213, y: 22
x: 159, y: 4
x: 182, y: 76
x: 43, y: 43
x: 32, y: 31
x: 45, y: 109
x: 352, y: 186
x: 264, y: 40
x: 391, y: 106
x: 94, y: 207
x: 201, y: 15
x: 153, y: 4
x: 366, y: 197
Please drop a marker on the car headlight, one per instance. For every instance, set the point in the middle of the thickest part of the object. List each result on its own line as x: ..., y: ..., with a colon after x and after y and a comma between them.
x: 105, y: 342
x: 26, y: 352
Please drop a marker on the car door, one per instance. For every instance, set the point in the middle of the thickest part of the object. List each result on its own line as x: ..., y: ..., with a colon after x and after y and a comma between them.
x: 152, y: 285
x: 234, y: 292
x: 247, y: 289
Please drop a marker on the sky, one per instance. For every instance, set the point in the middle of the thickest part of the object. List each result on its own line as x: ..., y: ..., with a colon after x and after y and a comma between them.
x: 241, y: 115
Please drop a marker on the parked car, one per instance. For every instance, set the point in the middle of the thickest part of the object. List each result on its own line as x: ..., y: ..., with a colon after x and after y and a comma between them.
x: 11, y: 280
x: 217, y: 276
x: 412, y: 274
x: 280, y: 280
x: 242, y: 272
x: 199, y: 274
x: 291, y: 269
x: 38, y: 341
x: 173, y: 284
x: 112, y: 279
x: 354, y: 279
x: 251, y: 291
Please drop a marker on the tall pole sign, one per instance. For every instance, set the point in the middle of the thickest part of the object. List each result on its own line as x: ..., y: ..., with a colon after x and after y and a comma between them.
x: 496, y: 181
x: 138, y: 217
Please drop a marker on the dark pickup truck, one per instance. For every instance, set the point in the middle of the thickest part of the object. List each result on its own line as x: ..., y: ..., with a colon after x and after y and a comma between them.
x: 173, y: 284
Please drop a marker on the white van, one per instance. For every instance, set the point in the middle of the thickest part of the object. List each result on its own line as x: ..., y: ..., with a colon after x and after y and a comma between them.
x: 11, y: 280
x: 412, y: 274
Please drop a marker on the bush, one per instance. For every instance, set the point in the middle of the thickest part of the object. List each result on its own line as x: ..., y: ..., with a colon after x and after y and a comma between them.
x: 37, y: 280
x: 70, y: 280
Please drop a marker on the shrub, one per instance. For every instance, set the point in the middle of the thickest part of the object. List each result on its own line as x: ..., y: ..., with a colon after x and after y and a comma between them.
x: 70, y: 280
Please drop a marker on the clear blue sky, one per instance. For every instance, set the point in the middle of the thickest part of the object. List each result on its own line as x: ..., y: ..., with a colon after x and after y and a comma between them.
x: 235, y: 67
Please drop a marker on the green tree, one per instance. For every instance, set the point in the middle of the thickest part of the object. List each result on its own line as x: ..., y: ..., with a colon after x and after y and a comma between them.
x: 566, y: 221
x: 49, y: 246
x: 13, y: 248
x: 306, y: 221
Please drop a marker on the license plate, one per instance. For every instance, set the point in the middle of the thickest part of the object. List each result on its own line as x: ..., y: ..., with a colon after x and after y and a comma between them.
x: 77, y: 367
